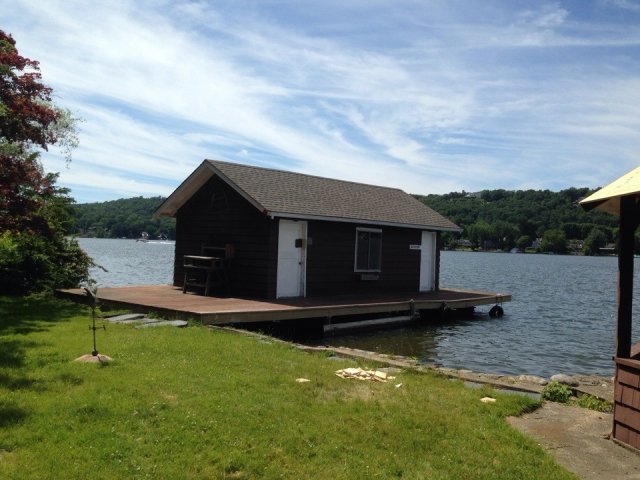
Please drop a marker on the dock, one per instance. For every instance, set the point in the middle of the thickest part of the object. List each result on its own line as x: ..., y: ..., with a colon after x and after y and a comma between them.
x: 169, y: 301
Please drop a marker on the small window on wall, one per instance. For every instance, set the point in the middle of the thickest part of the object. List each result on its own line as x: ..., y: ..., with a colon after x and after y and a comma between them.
x: 368, y: 250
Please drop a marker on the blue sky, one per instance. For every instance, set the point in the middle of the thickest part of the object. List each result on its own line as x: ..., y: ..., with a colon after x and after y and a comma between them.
x: 427, y: 96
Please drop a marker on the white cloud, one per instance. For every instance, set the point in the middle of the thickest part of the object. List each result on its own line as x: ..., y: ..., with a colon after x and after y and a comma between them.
x: 631, y: 5
x: 548, y: 16
x: 426, y: 99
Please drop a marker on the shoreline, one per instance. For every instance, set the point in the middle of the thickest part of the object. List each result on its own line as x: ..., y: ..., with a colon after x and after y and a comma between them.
x: 598, y: 386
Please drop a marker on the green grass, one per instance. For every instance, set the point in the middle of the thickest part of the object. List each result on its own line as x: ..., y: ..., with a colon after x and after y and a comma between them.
x: 593, y: 403
x: 197, y: 403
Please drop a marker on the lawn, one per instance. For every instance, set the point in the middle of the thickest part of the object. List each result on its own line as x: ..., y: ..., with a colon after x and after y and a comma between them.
x: 198, y: 403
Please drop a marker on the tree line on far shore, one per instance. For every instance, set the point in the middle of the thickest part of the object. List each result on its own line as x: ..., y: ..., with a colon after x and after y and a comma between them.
x: 530, y: 220
x: 123, y: 218
x: 539, y: 220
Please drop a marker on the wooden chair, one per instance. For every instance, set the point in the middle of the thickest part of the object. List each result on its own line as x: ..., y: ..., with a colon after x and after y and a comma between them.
x: 208, y: 270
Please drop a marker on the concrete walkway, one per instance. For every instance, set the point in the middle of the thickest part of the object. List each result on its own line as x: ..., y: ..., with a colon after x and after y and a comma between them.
x: 579, y: 440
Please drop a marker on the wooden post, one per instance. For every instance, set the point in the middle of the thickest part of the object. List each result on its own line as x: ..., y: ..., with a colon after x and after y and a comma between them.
x: 628, y: 224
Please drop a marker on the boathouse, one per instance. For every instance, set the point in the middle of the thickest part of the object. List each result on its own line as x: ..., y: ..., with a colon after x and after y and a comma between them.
x: 257, y: 232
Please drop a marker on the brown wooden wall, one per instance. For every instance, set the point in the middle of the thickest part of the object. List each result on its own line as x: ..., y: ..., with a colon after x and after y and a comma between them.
x: 217, y: 215
x: 437, y: 267
x: 626, y: 421
x: 330, y: 260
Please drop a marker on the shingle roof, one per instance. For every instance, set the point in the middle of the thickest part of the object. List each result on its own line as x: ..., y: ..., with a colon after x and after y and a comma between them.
x: 288, y: 194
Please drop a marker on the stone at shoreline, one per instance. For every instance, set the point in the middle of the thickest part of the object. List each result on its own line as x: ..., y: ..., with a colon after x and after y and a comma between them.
x: 533, y: 379
x: 390, y: 370
x: 163, y: 323
x: 125, y: 318
x: 565, y: 379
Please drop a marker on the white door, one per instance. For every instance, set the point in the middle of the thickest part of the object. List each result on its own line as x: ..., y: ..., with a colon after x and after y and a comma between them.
x: 427, y: 261
x: 292, y: 240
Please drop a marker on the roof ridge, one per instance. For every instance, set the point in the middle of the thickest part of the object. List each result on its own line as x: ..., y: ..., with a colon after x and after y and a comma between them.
x: 282, y: 193
x: 289, y: 172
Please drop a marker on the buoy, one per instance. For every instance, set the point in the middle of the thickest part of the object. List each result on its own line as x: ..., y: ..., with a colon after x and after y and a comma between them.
x: 496, y: 311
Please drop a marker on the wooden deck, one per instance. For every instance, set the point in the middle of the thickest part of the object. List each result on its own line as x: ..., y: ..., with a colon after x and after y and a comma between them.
x: 169, y: 300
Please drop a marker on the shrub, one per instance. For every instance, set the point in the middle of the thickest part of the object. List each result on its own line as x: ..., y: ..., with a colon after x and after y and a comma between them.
x: 32, y: 263
x: 557, y: 392
x: 593, y: 403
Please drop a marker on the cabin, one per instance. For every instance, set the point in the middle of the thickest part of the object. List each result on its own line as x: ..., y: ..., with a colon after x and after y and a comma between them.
x: 264, y: 233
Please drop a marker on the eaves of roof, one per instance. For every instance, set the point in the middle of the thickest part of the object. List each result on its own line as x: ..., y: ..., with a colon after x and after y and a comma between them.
x: 284, y: 194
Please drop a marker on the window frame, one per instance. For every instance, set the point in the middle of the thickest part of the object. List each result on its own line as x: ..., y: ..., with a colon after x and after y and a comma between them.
x: 355, y: 260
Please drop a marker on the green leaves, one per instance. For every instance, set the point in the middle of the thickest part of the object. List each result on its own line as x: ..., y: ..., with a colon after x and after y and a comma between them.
x: 32, y: 263
x: 557, y: 392
x: 126, y: 217
x: 503, y: 219
x: 35, y: 215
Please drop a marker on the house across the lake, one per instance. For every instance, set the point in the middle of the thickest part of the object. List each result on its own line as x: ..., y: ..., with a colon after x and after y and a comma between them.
x: 276, y: 234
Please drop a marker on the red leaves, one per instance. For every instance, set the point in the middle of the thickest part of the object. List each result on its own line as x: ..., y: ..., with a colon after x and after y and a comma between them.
x: 26, y: 115
x: 34, y: 213
x: 25, y: 102
x: 23, y: 190
x: 9, y: 54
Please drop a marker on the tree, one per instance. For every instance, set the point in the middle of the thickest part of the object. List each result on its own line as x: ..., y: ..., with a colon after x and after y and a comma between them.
x: 554, y: 241
x: 505, y: 234
x: 35, y: 214
x: 531, y: 212
x: 126, y: 217
x: 480, y: 233
x: 594, y: 241
x: 523, y: 242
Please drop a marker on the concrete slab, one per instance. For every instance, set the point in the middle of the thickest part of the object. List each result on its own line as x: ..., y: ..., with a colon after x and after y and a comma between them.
x: 125, y: 318
x: 579, y: 440
x: 164, y: 323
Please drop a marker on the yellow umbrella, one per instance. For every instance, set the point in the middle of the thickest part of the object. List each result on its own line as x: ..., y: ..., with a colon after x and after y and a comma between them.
x: 607, y: 199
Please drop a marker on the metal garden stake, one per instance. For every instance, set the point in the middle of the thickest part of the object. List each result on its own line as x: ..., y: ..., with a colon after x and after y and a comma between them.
x: 94, y: 303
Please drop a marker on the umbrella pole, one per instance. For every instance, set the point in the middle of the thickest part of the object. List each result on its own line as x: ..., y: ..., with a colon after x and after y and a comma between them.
x: 628, y: 225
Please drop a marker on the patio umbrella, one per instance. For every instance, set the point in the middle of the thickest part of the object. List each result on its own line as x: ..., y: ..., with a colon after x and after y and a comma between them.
x: 607, y: 199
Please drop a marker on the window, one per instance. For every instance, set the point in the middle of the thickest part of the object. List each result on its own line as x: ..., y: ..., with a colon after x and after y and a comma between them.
x: 368, y: 250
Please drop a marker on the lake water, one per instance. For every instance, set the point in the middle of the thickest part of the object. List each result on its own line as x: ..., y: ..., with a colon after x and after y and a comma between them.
x: 129, y: 262
x: 561, y: 319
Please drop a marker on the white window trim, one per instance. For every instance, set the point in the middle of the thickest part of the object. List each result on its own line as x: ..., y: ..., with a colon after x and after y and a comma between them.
x: 355, y: 253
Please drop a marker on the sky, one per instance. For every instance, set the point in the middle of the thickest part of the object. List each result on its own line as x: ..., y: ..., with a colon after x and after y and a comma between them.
x: 429, y: 96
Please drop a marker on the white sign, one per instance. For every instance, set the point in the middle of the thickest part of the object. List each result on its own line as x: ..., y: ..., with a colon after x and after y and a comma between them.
x: 415, y: 247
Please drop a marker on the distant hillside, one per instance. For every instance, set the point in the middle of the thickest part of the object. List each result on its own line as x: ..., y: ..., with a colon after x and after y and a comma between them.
x: 504, y: 219
x: 490, y: 219
x: 124, y: 218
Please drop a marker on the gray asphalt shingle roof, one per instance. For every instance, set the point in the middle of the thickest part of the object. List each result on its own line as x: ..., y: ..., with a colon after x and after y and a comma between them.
x: 280, y: 193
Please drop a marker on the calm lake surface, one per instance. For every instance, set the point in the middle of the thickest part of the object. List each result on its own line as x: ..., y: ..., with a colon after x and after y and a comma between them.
x: 561, y: 319
x: 129, y: 262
